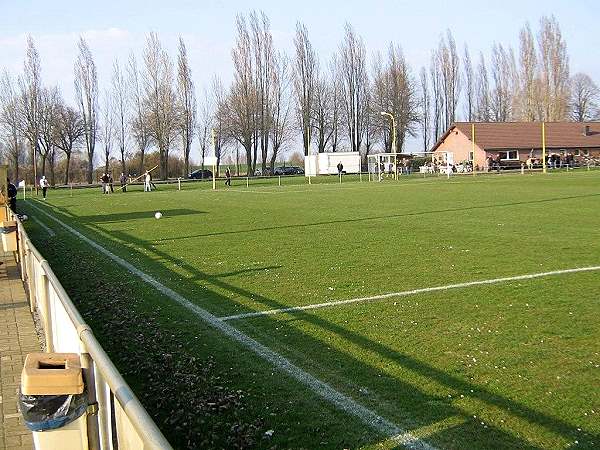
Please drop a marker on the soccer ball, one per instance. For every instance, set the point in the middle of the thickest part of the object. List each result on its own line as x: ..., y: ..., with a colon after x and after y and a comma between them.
x: 24, y: 217
x: 157, y: 215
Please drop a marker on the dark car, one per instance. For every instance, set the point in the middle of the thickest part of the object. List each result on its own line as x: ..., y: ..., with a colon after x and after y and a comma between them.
x: 289, y: 170
x: 200, y: 174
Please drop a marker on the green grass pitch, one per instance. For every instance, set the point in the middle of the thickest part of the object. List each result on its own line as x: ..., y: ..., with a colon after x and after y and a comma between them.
x: 514, y: 364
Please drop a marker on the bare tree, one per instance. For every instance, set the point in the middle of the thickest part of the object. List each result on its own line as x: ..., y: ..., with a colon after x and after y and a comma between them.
x: 425, y: 109
x: 86, y: 89
x: 107, y: 129
x: 239, y: 108
x: 306, y: 70
x: 187, y: 104
x: 68, y: 132
x: 10, y: 122
x: 482, y: 101
x: 120, y: 110
x: 204, y: 124
x: 159, y: 99
x: 220, y: 134
x: 584, y: 98
x: 49, y: 100
x: 448, y: 65
x: 262, y: 44
x: 554, y: 65
x: 139, y: 120
x: 355, y: 85
x: 336, y: 95
x: 322, y: 112
x: 30, y: 90
x: 503, y: 70
x: 469, y: 85
x: 528, y: 82
x: 437, y: 95
x: 281, y: 110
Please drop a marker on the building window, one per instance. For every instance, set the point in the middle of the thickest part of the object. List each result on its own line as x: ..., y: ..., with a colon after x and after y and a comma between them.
x: 470, y: 156
x: 578, y: 152
x: 509, y: 155
x: 586, y: 152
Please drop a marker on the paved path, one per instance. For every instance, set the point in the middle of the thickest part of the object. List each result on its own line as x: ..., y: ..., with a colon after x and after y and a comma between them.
x: 17, y: 338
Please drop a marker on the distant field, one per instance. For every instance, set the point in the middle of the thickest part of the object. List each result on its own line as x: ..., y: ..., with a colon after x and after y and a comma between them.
x: 508, y: 364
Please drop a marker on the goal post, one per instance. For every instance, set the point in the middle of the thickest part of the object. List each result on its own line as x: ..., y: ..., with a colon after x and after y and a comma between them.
x: 395, y: 166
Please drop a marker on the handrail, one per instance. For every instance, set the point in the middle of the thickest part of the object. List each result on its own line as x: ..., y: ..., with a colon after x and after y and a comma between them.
x: 148, y: 434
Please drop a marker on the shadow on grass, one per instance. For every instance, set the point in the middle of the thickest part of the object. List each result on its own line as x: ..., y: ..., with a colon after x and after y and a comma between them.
x: 382, y: 217
x: 134, y: 215
x: 403, y: 402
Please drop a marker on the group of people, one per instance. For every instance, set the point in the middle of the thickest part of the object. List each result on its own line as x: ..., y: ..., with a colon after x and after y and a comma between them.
x: 107, y: 183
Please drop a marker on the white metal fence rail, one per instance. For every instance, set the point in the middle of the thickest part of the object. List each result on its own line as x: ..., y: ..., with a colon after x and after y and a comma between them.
x: 116, y: 418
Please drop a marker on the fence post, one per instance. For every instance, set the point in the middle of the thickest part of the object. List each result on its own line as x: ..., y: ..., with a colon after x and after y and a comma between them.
x: 247, y: 181
x: 47, y: 319
x: 179, y: 183
x: 279, y: 176
x: 89, y: 374
x: 360, y: 175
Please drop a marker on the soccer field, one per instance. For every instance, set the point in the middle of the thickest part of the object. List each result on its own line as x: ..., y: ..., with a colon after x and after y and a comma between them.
x: 422, y: 312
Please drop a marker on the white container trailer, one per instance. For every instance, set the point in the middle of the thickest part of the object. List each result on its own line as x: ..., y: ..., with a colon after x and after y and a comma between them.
x: 326, y: 163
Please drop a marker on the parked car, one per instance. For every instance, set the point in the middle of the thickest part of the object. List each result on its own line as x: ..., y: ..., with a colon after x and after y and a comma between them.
x: 200, y: 174
x: 289, y: 170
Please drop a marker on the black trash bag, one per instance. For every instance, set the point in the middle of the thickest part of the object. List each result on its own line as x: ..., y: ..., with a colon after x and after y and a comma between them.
x: 48, y: 412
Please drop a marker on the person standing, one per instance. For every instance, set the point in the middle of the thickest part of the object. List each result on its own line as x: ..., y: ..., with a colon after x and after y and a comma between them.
x: 44, y: 185
x: 147, y: 180
x: 110, y: 183
x: 340, y: 168
x: 227, y: 177
x: 123, y: 181
x: 11, y: 190
x: 103, y: 182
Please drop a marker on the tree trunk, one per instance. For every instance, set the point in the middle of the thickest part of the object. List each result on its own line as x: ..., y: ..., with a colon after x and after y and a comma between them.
x: 141, y: 168
x: 90, y: 171
x: 67, y: 168
x: 52, y: 168
x: 43, y: 164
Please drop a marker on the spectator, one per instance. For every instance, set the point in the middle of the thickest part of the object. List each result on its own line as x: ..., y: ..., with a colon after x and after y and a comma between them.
x: 123, y: 181
x: 11, y: 190
x: 44, y: 185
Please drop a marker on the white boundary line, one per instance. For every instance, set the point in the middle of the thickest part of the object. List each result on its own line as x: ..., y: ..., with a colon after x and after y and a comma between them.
x: 44, y: 226
x: 407, y: 293
x: 319, y: 387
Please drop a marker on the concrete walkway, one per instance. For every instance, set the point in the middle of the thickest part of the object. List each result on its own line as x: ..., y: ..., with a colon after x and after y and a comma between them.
x: 17, y: 338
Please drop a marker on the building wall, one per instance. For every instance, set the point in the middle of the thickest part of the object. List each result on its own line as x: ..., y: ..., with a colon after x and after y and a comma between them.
x: 460, y: 145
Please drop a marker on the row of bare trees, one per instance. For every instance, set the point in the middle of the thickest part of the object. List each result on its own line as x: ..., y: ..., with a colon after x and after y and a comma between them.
x: 276, y: 101
x: 532, y: 85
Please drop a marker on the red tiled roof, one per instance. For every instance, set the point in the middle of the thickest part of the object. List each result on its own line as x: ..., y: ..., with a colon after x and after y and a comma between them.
x: 528, y: 135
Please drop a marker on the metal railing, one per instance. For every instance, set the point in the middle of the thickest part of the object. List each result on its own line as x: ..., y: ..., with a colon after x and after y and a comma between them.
x: 116, y: 418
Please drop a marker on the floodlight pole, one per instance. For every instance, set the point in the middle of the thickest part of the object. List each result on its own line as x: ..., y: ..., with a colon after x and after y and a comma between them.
x: 544, y: 147
x: 473, y: 147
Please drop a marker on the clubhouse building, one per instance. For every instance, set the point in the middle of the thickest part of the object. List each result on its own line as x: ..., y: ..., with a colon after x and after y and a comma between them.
x: 513, y: 143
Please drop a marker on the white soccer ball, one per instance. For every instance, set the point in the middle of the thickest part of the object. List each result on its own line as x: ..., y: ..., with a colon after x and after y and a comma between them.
x: 24, y: 217
x: 157, y: 215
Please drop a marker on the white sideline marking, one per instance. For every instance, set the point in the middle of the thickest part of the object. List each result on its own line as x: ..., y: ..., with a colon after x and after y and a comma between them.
x: 411, y: 292
x: 44, y: 226
x: 319, y: 387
